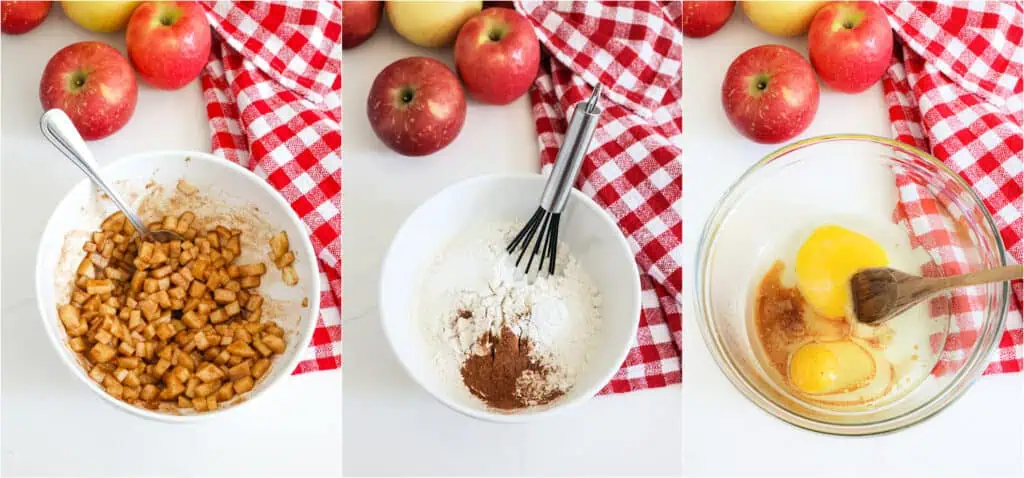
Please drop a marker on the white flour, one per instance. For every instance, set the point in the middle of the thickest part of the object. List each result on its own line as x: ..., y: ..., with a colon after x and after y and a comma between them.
x: 472, y: 288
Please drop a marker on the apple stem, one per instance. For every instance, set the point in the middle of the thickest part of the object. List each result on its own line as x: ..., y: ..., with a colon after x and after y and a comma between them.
x: 497, y: 33
x: 169, y: 17
x: 78, y: 79
x: 407, y: 95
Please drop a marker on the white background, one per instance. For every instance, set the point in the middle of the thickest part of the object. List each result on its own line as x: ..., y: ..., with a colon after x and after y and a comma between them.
x: 724, y: 434
x: 54, y: 425
x: 393, y: 427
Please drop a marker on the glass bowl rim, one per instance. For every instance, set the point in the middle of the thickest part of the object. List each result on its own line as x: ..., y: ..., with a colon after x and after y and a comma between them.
x: 973, y: 368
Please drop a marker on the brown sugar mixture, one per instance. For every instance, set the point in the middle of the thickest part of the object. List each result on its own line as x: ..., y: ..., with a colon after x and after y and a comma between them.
x: 783, y: 319
x: 507, y: 378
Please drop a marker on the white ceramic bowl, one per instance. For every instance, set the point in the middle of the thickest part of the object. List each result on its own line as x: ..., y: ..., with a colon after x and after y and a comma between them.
x: 589, y: 231
x: 82, y: 210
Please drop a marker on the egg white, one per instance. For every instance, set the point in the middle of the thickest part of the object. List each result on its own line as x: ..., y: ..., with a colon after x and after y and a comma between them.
x: 904, y: 342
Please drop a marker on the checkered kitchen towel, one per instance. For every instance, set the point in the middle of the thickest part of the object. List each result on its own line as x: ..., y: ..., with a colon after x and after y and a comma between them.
x: 273, y: 96
x: 634, y: 168
x: 955, y: 89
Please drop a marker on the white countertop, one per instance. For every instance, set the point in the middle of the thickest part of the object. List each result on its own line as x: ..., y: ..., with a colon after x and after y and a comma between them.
x: 393, y: 427
x: 52, y: 424
x: 724, y: 434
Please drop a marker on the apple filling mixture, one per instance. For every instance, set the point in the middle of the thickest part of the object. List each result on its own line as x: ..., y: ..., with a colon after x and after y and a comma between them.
x: 176, y: 325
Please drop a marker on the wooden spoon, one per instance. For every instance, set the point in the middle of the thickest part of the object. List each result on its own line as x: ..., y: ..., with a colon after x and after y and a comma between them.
x: 881, y: 293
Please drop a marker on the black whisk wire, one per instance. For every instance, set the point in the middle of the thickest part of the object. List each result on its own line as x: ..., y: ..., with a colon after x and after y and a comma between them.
x: 551, y: 245
x: 525, y: 235
x: 537, y: 243
x: 542, y: 228
x: 539, y: 236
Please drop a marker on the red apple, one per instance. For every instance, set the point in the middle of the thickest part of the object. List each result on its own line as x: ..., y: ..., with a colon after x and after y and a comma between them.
x: 416, y: 106
x: 168, y: 42
x: 94, y: 84
x: 770, y: 93
x: 359, y: 19
x: 497, y: 55
x: 850, y: 45
x: 19, y: 17
x: 702, y: 18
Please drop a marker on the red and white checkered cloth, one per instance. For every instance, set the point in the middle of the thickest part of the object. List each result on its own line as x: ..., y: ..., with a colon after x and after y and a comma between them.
x: 633, y: 169
x: 955, y: 89
x: 273, y: 97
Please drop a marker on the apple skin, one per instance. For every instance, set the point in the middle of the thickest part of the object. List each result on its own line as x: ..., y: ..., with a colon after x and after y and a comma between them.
x: 850, y: 45
x: 784, y: 18
x: 359, y: 19
x: 168, y: 56
x: 770, y: 93
x: 102, y: 17
x: 416, y: 106
x: 497, y: 71
x: 94, y: 84
x: 430, y: 24
x: 19, y: 17
x: 702, y: 18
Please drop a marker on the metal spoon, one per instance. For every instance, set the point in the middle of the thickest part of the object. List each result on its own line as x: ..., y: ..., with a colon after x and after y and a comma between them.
x: 61, y: 132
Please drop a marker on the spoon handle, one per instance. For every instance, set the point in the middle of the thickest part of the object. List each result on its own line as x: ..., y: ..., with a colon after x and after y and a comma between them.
x: 61, y: 132
x: 570, y: 155
x: 999, y: 274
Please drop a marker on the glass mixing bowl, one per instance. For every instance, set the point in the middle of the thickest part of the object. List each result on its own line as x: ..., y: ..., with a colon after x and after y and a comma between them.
x: 848, y: 175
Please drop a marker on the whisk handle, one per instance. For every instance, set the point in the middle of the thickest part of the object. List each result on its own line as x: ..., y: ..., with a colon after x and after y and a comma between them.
x: 570, y: 156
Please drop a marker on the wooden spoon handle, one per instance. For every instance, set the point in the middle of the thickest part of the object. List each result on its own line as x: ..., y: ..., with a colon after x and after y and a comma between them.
x: 986, y: 276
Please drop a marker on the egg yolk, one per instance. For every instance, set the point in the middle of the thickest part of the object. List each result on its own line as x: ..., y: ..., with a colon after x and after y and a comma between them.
x: 825, y: 263
x: 830, y: 367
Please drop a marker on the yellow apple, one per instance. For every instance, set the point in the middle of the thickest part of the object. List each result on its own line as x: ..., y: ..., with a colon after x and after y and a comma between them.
x: 99, y: 16
x: 782, y: 18
x: 431, y: 24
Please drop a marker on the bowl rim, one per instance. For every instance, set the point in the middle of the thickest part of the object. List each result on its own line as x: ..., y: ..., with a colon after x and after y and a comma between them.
x: 976, y: 362
x: 305, y: 334
x: 560, y: 406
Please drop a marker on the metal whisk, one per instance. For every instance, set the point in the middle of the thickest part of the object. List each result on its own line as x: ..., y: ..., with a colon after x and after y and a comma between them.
x: 542, y: 228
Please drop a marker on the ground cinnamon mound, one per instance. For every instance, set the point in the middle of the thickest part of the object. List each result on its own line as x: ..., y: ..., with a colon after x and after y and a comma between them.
x: 507, y: 378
